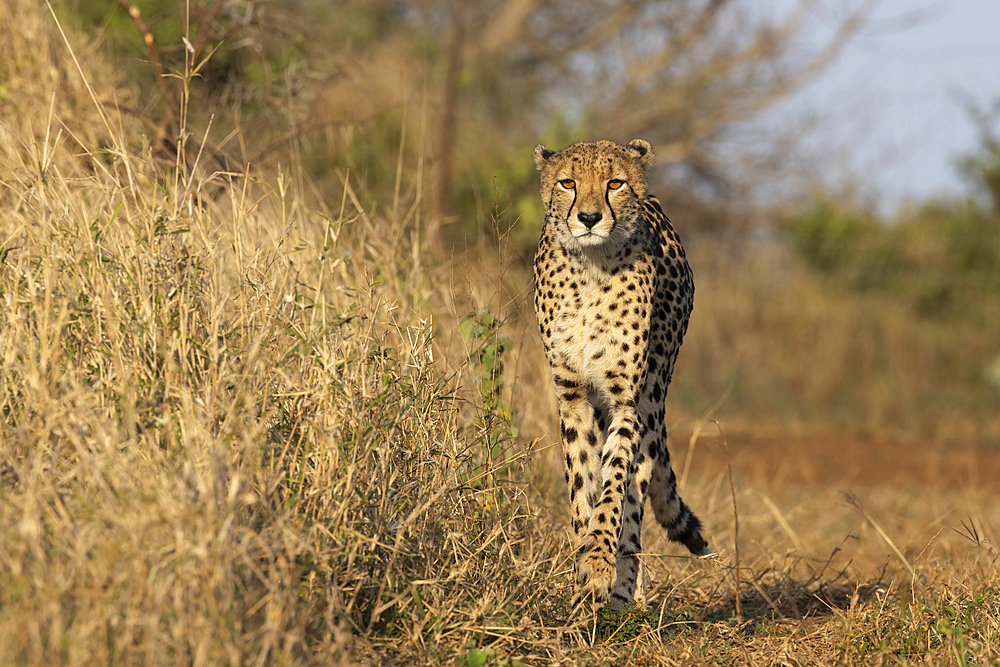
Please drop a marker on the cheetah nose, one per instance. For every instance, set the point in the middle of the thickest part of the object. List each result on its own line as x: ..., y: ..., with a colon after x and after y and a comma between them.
x: 589, y: 219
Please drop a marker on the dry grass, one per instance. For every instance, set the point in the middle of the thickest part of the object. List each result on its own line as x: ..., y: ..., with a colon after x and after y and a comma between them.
x: 239, y: 428
x: 782, y: 347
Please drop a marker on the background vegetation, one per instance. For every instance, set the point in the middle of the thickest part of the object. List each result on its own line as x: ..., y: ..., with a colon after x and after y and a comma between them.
x: 270, y: 386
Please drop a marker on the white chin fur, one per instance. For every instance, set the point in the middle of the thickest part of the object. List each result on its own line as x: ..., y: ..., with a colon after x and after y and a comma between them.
x: 590, y: 238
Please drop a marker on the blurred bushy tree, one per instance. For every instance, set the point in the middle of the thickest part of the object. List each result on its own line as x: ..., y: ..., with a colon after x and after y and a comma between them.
x: 982, y: 168
x: 677, y: 73
x: 942, y: 255
x: 458, y: 92
x: 218, y: 63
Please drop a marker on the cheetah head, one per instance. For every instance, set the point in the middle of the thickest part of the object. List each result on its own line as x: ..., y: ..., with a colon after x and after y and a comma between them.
x: 592, y: 191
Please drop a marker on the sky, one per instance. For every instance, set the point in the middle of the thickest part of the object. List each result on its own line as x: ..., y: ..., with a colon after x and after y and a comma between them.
x: 897, y: 98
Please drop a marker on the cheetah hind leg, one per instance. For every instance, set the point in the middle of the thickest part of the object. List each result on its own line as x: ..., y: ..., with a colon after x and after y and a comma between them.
x: 670, y: 511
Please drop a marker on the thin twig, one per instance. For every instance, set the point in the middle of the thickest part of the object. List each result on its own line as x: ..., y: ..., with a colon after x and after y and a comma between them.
x: 158, y: 69
x: 736, y: 517
x: 855, y: 502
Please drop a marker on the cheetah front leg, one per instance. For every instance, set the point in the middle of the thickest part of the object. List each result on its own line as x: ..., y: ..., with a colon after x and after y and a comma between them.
x: 580, y: 451
x: 597, y: 568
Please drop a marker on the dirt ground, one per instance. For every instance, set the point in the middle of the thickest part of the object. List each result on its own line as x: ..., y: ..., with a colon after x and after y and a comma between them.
x: 810, y: 495
x: 850, y: 461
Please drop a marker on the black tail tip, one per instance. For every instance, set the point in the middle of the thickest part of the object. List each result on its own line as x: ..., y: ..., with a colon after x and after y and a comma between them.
x: 697, y: 545
x: 688, y: 533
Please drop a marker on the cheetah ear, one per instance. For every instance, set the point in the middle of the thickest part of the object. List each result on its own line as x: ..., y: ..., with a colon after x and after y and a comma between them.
x: 641, y: 149
x: 541, y: 155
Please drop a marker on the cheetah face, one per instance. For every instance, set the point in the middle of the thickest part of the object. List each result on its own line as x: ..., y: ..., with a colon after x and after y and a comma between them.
x: 592, y: 191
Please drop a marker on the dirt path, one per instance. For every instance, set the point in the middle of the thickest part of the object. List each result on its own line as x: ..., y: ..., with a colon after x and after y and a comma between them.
x: 845, y: 460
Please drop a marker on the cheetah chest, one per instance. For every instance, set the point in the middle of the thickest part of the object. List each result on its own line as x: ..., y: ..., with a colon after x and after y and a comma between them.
x: 599, y: 321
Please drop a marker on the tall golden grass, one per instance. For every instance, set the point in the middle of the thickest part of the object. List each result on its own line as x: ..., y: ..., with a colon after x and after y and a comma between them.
x: 241, y: 425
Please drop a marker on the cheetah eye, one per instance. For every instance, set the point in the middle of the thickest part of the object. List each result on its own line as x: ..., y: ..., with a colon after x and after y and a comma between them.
x: 568, y: 183
x: 615, y: 184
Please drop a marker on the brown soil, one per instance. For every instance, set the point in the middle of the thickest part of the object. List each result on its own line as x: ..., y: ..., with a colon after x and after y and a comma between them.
x: 844, y: 460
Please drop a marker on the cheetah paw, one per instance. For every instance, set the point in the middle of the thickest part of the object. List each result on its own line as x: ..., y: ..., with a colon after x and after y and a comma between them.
x: 595, y: 575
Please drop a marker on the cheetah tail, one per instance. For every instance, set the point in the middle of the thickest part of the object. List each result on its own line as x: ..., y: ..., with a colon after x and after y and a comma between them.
x: 686, y: 529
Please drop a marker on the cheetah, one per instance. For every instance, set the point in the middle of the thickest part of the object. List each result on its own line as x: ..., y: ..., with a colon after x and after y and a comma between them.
x: 613, y: 295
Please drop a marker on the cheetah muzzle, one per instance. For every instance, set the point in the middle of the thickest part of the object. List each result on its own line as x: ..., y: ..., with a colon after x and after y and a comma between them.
x: 613, y: 295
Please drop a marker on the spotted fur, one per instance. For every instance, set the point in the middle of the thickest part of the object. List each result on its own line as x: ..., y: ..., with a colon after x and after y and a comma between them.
x: 613, y: 294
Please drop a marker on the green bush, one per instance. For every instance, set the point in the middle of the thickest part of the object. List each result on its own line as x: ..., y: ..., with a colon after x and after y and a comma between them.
x: 828, y: 235
x: 939, y: 257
